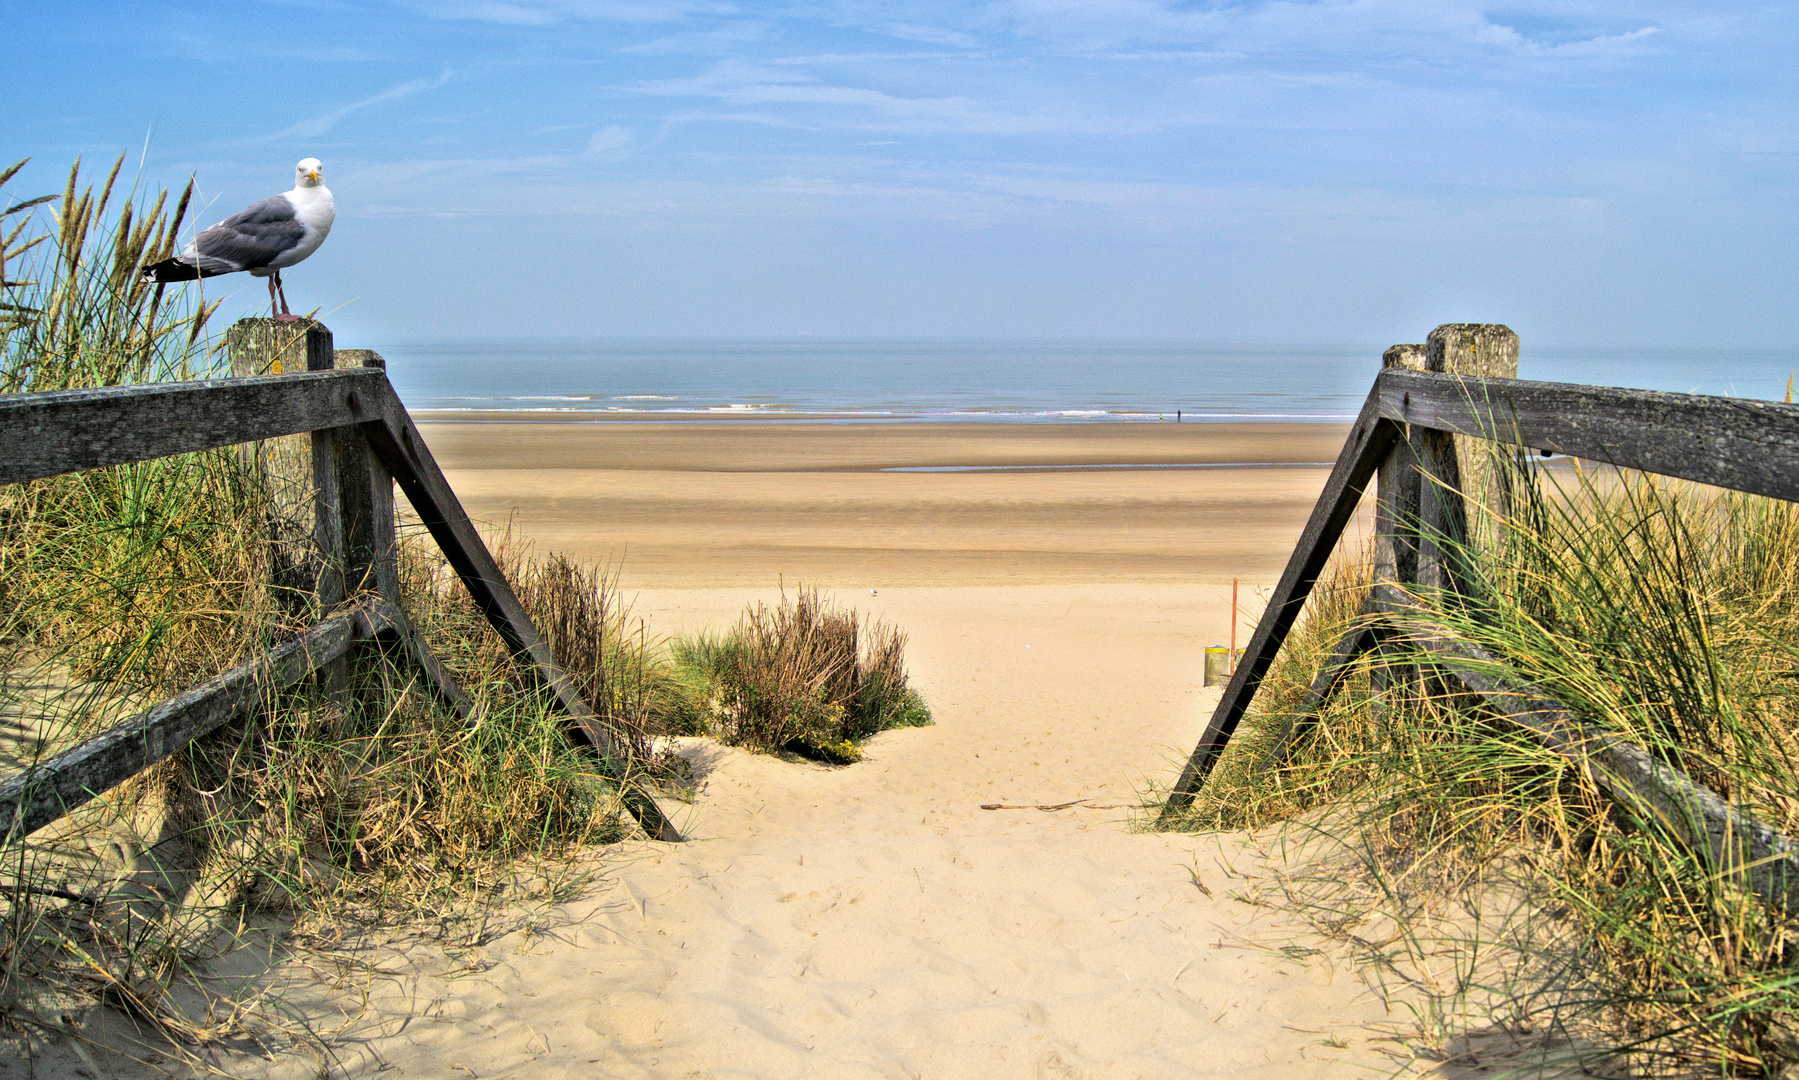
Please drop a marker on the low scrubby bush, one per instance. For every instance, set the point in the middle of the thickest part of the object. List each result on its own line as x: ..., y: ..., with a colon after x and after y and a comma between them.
x: 802, y: 677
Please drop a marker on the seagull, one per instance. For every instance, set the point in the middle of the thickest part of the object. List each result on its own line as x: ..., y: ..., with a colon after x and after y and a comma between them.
x: 263, y: 238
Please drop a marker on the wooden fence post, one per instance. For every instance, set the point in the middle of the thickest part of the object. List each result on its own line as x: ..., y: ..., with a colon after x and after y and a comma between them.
x: 300, y: 470
x: 277, y: 347
x: 1396, y: 505
x: 365, y: 505
x: 1460, y: 469
x: 1396, y: 538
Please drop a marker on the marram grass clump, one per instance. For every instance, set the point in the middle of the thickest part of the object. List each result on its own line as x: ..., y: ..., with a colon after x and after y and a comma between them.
x: 1661, y: 611
x: 352, y: 800
x: 356, y: 798
x: 802, y: 677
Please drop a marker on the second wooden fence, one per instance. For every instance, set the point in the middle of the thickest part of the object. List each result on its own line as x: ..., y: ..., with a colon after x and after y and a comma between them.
x: 1422, y: 433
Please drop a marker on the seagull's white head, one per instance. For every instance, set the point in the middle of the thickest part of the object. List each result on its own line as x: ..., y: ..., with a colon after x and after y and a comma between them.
x: 309, y: 173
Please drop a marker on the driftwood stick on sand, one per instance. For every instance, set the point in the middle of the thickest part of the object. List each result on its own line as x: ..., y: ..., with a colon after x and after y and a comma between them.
x: 1066, y: 805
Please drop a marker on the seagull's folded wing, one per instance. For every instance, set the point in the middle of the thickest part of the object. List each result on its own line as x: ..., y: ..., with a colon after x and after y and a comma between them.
x: 248, y: 239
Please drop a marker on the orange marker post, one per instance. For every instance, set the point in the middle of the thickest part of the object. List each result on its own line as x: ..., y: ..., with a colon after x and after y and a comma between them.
x: 1233, y: 626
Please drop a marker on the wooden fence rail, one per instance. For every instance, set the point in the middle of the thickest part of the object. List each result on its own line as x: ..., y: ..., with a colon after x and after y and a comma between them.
x: 361, y: 436
x: 1403, y: 434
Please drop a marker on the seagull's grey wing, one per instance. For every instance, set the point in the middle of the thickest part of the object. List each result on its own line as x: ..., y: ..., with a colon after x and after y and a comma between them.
x: 251, y: 238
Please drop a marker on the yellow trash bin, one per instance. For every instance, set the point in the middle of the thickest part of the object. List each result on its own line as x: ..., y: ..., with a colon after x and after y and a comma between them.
x: 1218, y: 665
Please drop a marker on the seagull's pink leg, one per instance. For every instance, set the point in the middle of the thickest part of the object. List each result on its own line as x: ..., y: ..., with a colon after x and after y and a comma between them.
x: 274, y: 304
x: 276, y: 277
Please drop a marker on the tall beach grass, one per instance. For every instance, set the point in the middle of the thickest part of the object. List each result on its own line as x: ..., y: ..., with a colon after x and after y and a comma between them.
x: 121, y: 586
x: 1658, y: 610
x: 326, y: 806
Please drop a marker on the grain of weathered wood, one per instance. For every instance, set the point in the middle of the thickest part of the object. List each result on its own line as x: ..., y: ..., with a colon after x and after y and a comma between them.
x: 299, y: 471
x: 1459, y: 481
x: 365, y: 512
x: 1398, y: 503
x: 40, y: 795
x: 1396, y: 490
x: 365, y: 499
x: 1369, y: 440
x: 1656, y: 794
x: 1750, y: 446
x: 355, y: 358
x: 1487, y: 351
x: 63, y: 431
x: 277, y: 347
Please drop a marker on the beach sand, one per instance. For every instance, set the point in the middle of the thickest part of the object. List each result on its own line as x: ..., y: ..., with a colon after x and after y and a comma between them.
x: 747, y: 505
x: 874, y: 920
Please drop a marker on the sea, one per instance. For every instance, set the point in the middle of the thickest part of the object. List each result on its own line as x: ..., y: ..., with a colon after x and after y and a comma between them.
x: 986, y: 382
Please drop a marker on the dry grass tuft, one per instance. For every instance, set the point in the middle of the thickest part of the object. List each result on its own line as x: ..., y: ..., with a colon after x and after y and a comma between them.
x: 802, y: 677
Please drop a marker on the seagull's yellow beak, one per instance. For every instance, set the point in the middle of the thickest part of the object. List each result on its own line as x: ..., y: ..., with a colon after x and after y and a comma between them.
x: 313, y: 175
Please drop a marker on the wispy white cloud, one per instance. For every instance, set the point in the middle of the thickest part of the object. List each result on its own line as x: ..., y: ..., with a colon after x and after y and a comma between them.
x: 846, y: 58
x: 863, y: 108
x: 1324, y: 32
x: 1311, y: 214
x: 549, y: 12
x: 1507, y: 37
x: 933, y: 35
x: 610, y: 141
x: 319, y: 125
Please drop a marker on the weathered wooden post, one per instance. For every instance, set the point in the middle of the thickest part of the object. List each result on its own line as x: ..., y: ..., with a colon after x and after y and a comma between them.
x: 332, y: 514
x: 277, y: 347
x: 1464, y: 497
x: 365, y: 500
x: 1396, y: 517
x: 1397, y: 494
x: 300, y: 470
x: 327, y: 484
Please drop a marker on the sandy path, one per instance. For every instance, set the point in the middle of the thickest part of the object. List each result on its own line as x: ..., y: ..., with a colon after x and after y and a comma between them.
x: 872, y: 921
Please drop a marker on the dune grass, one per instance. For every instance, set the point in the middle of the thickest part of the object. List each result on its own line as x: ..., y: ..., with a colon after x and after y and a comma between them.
x: 1658, y: 610
x: 121, y: 586
x: 802, y: 677
x: 329, y: 805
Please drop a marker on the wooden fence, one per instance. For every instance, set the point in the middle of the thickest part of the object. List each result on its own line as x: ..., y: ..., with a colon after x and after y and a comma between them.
x: 1424, y: 431
x: 358, y: 442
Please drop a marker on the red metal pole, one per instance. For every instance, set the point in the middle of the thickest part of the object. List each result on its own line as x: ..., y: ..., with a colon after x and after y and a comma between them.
x: 1233, y: 626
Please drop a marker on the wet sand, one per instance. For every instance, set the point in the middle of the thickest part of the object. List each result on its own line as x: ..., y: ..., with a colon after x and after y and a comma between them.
x: 712, y: 505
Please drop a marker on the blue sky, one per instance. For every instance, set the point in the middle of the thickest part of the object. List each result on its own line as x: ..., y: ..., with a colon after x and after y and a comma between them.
x: 1346, y: 171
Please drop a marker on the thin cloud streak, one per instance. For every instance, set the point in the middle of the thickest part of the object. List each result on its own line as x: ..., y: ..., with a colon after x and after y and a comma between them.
x: 319, y: 125
x: 902, y: 141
